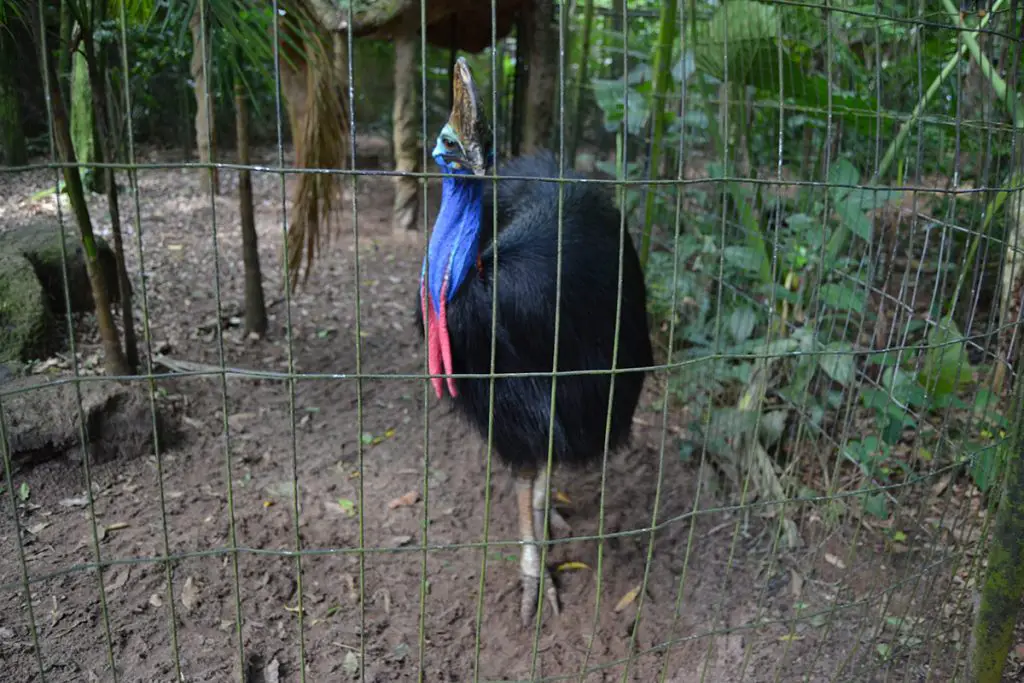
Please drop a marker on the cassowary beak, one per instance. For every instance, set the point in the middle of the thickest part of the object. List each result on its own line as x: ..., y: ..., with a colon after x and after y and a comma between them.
x: 466, y: 139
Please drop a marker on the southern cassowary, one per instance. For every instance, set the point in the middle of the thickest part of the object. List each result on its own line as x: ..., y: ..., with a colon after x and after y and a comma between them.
x: 456, y: 298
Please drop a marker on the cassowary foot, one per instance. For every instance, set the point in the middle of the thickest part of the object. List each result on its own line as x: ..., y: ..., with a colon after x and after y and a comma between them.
x: 531, y: 504
x: 531, y: 589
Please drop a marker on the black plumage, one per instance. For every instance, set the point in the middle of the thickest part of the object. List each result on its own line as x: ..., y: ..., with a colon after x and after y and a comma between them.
x: 527, y: 268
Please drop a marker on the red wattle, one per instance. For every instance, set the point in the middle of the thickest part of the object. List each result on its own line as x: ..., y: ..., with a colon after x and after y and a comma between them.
x: 433, y: 341
x: 446, y: 345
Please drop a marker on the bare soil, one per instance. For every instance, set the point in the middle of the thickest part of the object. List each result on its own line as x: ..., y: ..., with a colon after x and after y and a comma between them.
x: 849, y: 605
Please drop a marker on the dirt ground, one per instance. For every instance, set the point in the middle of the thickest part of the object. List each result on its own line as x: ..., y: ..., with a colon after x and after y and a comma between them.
x: 847, y: 606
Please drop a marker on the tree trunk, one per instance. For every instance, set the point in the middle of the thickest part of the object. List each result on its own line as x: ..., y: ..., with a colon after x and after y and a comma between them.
x: 83, y: 121
x: 998, y: 605
x: 581, y: 79
x: 64, y: 63
x: 12, y: 135
x: 255, y: 307
x: 519, y: 79
x: 206, y: 140
x: 114, y: 359
x: 107, y: 151
x: 541, y: 75
x: 615, y: 64
x: 405, y: 131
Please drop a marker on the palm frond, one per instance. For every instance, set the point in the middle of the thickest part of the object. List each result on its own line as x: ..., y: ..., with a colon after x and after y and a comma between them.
x: 323, y: 145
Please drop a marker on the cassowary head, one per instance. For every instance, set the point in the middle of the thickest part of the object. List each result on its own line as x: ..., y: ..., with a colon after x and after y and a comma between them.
x: 465, y: 142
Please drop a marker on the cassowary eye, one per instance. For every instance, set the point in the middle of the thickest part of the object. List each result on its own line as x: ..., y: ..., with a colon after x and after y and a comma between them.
x: 448, y: 143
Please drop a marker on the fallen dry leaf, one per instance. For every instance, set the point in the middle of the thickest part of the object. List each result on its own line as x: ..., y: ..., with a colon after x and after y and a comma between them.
x: 79, y: 502
x: 36, y: 528
x: 834, y: 561
x: 570, y: 566
x: 796, y: 584
x: 192, y: 422
x: 235, y: 421
x: 403, y: 501
x: 942, y: 485
x: 627, y: 599
x: 155, y: 600
x: 190, y: 594
x: 119, y: 580
x: 397, y: 541
x: 351, y: 663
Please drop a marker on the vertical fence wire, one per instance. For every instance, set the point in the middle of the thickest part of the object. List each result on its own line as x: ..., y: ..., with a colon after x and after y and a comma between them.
x: 552, y: 416
x: 421, y: 643
x: 489, y: 447
x: 158, y: 451
x: 659, y: 480
x: 677, y: 227
x: 780, y: 506
x: 205, y: 40
x: 321, y: 56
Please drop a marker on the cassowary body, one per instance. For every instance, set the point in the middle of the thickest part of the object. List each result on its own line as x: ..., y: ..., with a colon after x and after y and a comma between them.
x: 456, y: 297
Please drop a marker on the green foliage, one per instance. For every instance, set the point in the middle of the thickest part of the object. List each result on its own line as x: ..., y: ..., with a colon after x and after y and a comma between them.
x: 764, y: 288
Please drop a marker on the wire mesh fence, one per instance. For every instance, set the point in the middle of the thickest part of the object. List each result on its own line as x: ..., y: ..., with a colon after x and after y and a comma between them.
x: 825, y: 198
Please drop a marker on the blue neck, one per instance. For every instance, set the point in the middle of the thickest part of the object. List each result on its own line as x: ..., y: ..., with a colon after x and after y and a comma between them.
x: 455, y: 241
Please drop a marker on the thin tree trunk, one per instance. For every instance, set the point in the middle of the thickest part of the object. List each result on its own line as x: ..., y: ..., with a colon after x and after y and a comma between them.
x: 519, y: 79
x: 107, y: 151
x: 83, y: 122
x: 581, y: 79
x: 615, y: 65
x: 405, y: 131
x: 659, y: 97
x: 64, y: 60
x: 115, y: 363
x: 206, y: 140
x: 15, y: 153
x: 255, y: 307
x: 542, y: 75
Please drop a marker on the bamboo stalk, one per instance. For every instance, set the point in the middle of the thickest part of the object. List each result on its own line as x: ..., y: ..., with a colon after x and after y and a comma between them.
x: 581, y: 78
x: 662, y: 84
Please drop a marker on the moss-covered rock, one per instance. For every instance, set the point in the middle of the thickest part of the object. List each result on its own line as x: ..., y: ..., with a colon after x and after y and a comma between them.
x: 40, y: 243
x: 44, y: 420
x: 26, y: 324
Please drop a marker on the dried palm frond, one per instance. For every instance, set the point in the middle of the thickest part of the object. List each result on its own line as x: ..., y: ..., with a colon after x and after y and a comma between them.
x: 320, y: 130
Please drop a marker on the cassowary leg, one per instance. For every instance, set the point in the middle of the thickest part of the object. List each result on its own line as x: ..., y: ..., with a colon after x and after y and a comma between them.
x: 530, y: 566
x: 541, y: 501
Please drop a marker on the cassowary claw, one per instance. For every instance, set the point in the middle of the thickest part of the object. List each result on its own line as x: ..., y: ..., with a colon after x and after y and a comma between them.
x: 531, y: 588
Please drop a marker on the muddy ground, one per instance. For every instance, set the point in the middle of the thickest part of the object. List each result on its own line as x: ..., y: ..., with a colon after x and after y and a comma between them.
x: 849, y: 605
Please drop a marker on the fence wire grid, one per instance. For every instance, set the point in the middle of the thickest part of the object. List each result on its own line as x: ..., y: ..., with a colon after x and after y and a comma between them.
x: 827, y: 198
